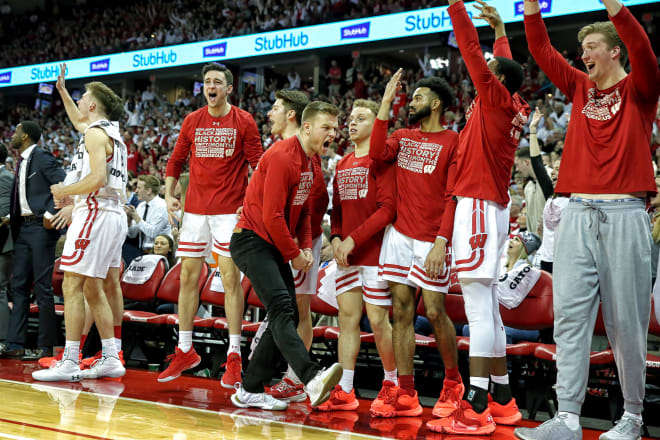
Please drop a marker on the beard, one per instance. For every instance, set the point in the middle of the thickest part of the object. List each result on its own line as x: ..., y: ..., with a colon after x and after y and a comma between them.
x: 420, y: 114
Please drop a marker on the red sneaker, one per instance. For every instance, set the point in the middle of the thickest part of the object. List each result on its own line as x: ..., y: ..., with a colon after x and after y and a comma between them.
x: 387, y: 393
x: 232, y: 376
x: 508, y: 414
x: 288, y: 391
x: 88, y: 362
x: 340, y: 401
x: 404, y: 405
x: 47, y: 362
x: 464, y: 421
x: 451, y: 395
x: 179, y: 362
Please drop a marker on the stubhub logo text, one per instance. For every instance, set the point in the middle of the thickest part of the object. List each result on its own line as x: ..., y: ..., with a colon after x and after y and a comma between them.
x: 215, y: 50
x: 154, y: 59
x: 546, y: 6
x: 45, y: 73
x: 422, y: 22
x: 360, y: 30
x: 5, y: 77
x: 100, y: 65
x: 281, y: 42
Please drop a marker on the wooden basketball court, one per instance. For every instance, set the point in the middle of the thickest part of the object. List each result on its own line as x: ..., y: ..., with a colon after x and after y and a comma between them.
x: 189, y: 408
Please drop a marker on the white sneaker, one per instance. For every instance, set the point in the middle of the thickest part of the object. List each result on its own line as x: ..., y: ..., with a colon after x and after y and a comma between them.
x: 243, y: 399
x: 65, y: 370
x: 318, y: 389
x: 628, y: 428
x: 107, y: 366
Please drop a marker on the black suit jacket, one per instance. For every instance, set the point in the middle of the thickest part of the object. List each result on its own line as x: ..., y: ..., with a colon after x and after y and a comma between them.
x: 42, y: 171
x: 6, y: 187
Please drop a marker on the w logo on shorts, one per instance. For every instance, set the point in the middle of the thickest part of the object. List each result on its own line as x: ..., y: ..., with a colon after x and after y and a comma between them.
x: 82, y: 243
x: 478, y: 241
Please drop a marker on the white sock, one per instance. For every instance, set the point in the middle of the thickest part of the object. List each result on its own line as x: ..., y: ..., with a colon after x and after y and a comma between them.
x: 109, y: 348
x: 391, y: 376
x: 292, y: 375
x: 185, y: 341
x: 118, y: 344
x: 638, y: 417
x: 479, y: 382
x: 72, y: 351
x: 572, y: 420
x: 346, y: 382
x: 501, y: 380
x: 234, y: 344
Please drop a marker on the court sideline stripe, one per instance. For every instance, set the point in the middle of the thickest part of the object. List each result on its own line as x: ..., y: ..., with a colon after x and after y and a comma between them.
x: 46, y: 428
x: 208, y: 411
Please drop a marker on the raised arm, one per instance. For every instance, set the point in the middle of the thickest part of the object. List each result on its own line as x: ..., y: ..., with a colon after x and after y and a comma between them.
x: 563, y: 75
x: 380, y: 147
x: 492, y: 91
x: 70, y: 106
x: 643, y: 63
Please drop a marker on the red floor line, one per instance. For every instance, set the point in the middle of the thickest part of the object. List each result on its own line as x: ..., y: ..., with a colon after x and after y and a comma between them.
x: 63, y: 431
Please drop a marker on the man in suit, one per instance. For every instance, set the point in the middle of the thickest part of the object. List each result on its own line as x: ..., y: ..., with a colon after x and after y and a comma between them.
x: 34, y: 245
x: 151, y: 206
x: 6, y: 243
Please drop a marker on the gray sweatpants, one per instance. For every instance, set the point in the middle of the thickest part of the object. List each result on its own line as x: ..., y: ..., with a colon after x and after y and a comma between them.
x: 602, y: 254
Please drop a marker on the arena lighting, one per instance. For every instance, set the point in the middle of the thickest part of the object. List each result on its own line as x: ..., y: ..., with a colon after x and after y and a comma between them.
x: 400, y: 25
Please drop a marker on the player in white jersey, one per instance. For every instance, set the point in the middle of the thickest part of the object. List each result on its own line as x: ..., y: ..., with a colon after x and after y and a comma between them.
x: 91, y: 249
x: 62, y: 219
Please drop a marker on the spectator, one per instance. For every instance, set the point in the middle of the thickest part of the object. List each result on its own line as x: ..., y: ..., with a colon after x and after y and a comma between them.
x: 150, y: 218
x: 534, y: 195
x: 334, y: 76
x: 164, y: 245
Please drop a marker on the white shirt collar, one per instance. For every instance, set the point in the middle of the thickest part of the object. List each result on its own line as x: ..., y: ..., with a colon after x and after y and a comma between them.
x: 25, y: 154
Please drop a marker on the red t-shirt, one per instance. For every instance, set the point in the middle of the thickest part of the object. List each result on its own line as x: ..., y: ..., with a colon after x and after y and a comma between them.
x: 495, y: 120
x: 276, y: 205
x: 318, y: 199
x: 220, y: 150
x: 423, y: 164
x: 607, y: 147
x: 362, y: 205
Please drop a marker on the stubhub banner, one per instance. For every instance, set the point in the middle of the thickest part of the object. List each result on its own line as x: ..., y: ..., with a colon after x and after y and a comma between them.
x: 383, y: 27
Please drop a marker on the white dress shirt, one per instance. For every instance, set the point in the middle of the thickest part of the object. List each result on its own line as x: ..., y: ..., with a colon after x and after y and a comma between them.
x: 157, y: 222
x: 22, y: 172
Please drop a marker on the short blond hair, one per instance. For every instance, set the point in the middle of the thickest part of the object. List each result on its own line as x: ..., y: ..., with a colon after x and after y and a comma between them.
x: 111, y: 104
x: 609, y: 33
x: 368, y: 104
x: 316, y: 107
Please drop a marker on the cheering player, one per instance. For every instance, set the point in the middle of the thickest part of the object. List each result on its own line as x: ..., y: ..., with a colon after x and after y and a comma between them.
x: 486, y: 152
x: 423, y: 160
x: 221, y: 140
x: 363, y: 204
x: 603, y: 244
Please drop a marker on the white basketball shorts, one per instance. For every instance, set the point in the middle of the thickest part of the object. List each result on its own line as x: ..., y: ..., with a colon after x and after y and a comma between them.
x: 200, y: 233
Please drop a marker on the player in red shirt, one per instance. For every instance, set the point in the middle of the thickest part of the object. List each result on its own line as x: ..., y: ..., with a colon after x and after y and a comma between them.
x: 603, y: 244
x: 363, y: 204
x: 221, y: 140
x: 424, y: 158
x: 274, y: 229
x: 285, y: 116
x: 481, y: 223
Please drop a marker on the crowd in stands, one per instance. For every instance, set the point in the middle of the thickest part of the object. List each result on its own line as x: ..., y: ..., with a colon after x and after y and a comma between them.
x: 126, y: 26
x: 152, y: 123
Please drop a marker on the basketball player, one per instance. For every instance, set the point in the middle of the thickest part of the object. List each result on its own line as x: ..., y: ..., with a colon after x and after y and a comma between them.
x: 424, y: 159
x: 485, y: 156
x: 221, y: 140
x: 91, y: 251
x: 275, y: 229
x: 603, y: 244
x: 285, y: 116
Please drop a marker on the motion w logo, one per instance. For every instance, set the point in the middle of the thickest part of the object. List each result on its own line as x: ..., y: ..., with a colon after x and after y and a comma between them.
x: 478, y: 241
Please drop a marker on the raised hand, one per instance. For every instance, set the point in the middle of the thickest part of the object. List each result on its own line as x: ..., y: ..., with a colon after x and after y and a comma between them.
x: 60, y: 78
x: 488, y: 13
x: 393, y: 86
